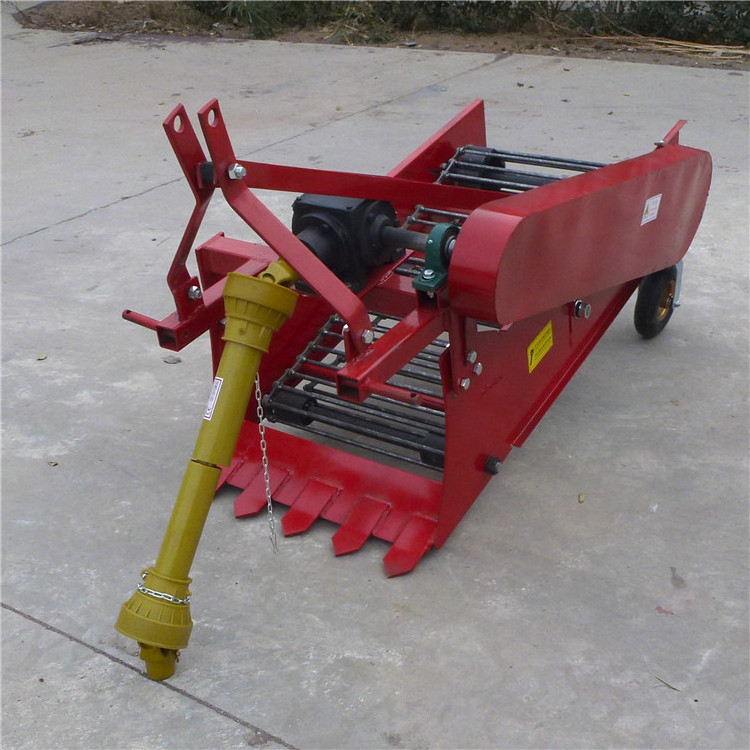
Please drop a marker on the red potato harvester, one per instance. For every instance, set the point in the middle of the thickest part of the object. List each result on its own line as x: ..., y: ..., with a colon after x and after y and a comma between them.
x: 432, y: 317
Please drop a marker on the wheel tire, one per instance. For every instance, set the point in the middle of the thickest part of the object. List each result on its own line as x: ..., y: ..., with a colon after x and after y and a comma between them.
x: 655, y: 302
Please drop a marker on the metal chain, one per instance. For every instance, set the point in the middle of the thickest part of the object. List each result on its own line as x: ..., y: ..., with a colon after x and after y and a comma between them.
x: 160, y: 594
x: 264, y: 462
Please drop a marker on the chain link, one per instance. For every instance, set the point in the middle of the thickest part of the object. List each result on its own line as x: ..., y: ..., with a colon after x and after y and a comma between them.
x: 264, y: 462
x: 160, y: 594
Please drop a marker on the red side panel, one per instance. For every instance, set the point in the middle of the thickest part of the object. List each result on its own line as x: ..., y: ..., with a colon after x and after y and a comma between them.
x: 525, y: 254
x: 520, y: 380
x: 467, y: 127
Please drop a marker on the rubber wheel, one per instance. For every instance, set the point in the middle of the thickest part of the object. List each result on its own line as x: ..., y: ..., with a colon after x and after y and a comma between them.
x: 655, y: 302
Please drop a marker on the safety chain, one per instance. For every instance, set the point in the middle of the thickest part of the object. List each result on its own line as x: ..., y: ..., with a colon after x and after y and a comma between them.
x: 160, y: 594
x: 264, y: 462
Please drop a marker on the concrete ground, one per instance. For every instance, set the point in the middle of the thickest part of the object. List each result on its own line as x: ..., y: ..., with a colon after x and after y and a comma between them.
x: 619, y: 621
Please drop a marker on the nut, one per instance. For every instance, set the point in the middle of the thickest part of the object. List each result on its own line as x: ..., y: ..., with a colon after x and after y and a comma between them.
x: 581, y: 309
x: 236, y: 172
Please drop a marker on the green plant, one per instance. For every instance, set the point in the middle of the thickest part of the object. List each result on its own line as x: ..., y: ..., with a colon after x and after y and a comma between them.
x: 364, y: 21
x: 266, y: 18
x: 686, y: 20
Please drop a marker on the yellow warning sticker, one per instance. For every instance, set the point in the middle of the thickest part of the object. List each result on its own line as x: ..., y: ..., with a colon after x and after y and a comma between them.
x: 539, y: 346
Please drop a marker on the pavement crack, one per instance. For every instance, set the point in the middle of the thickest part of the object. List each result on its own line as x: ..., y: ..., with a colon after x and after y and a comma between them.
x: 89, y: 211
x: 495, y: 58
x: 245, y: 154
x: 262, y: 736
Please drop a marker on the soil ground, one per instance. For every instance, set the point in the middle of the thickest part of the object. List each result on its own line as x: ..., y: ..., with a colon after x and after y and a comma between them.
x: 100, y: 22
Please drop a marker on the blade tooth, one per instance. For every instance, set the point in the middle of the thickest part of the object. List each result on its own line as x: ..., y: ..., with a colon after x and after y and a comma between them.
x: 243, y: 473
x: 358, y: 525
x: 417, y: 536
x: 252, y: 499
x: 307, y: 507
x: 227, y: 472
x: 285, y: 493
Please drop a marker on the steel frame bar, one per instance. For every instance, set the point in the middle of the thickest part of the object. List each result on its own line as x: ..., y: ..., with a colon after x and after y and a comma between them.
x: 390, y: 353
x: 259, y: 218
x: 189, y: 153
x: 177, y: 330
x: 395, y: 190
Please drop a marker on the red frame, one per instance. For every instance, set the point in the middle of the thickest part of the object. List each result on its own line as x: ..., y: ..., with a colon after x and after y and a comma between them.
x: 519, y: 264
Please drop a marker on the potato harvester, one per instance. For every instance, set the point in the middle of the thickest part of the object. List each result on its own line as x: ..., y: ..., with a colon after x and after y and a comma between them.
x: 375, y: 363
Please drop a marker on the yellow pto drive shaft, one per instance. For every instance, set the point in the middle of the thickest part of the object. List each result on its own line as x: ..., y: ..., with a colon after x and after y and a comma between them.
x: 158, y: 613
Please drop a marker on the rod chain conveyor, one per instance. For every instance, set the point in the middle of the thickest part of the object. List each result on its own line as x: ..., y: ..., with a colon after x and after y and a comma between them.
x: 379, y: 423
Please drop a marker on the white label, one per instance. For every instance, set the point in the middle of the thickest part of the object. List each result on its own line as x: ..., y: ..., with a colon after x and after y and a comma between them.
x: 213, y: 398
x: 651, y: 209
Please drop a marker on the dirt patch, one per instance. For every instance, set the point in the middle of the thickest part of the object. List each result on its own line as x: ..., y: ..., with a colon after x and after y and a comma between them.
x: 557, y: 45
x: 116, y: 19
x: 109, y: 21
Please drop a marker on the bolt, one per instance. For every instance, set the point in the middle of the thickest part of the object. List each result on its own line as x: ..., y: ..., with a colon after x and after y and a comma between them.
x: 194, y: 292
x: 492, y: 465
x: 471, y: 357
x: 465, y: 383
x: 581, y: 309
x: 368, y: 336
x: 428, y: 273
x: 478, y: 368
x: 236, y: 172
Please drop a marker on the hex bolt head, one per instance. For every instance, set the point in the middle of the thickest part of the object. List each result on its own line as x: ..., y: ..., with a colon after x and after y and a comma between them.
x: 368, y: 336
x: 492, y: 465
x: 465, y: 383
x: 478, y: 368
x: 428, y: 273
x: 471, y: 357
x: 194, y: 292
x: 581, y: 309
x: 236, y: 172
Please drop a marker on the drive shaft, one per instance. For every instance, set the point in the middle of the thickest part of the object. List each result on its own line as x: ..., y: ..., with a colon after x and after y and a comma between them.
x: 158, y: 613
